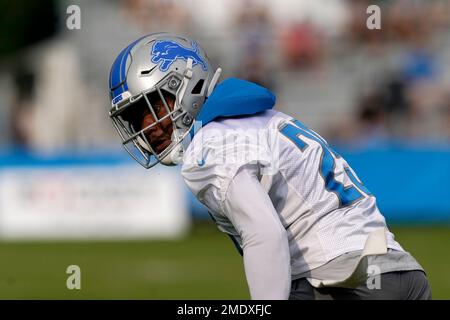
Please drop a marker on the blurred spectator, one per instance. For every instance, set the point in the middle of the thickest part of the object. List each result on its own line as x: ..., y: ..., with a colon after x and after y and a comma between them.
x: 394, y: 96
x: 372, y: 119
x: 446, y: 118
x: 20, y: 122
x: 368, y: 125
x: 157, y: 15
x: 302, y: 46
x: 405, y: 20
x: 254, y: 36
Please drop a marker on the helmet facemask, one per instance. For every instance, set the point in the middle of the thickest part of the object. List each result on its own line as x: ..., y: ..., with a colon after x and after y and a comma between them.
x: 128, y: 115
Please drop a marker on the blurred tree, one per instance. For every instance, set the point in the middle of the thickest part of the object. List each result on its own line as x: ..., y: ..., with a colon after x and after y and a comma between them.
x: 23, y: 23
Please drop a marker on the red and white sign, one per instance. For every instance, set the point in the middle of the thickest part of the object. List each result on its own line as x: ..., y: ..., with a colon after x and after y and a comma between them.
x: 111, y: 202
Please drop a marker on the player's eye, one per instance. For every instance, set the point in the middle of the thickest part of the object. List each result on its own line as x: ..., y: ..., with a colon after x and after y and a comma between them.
x: 158, y: 107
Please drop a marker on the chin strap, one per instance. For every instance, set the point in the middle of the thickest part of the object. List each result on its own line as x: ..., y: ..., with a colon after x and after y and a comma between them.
x: 175, y: 156
x: 213, y: 82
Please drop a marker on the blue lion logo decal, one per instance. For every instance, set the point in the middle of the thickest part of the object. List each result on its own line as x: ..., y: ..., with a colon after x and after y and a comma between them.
x: 168, y: 51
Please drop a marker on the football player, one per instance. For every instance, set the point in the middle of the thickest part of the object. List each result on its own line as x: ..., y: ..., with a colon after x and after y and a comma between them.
x: 305, y: 224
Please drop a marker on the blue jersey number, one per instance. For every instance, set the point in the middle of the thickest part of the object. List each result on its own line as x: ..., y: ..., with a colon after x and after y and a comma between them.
x: 346, y: 195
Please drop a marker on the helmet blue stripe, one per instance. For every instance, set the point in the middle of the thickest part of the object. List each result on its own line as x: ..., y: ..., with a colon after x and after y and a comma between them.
x: 117, y: 91
x: 115, y: 77
x: 118, y: 72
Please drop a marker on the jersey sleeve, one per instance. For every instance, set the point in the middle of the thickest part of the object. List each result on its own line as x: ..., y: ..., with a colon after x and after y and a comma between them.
x: 264, y: 239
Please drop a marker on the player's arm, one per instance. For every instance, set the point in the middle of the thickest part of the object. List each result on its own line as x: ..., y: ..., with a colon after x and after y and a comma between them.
x: 264, y: 240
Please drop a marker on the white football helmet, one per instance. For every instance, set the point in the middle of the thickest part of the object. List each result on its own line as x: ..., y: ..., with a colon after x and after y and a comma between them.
x: 158, y: 66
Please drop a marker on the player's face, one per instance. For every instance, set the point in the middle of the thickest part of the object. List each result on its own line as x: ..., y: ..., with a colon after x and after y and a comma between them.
x: 159, y: 136
x: 140, y: 117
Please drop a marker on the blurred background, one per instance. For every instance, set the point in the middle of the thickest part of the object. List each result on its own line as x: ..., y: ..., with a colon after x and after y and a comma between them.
x: 69, y: 194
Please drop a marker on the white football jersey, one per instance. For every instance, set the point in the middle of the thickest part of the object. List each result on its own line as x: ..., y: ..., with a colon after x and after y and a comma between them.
x: 324, y: 208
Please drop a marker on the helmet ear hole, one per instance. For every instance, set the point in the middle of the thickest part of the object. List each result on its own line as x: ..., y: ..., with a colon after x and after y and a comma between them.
x: 198, y: 87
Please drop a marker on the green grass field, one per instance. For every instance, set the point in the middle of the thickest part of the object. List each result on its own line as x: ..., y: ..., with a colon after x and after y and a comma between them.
x: 203, y: 266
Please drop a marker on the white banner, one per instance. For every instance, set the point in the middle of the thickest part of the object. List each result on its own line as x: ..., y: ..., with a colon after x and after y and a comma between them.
x: 103, y: 202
